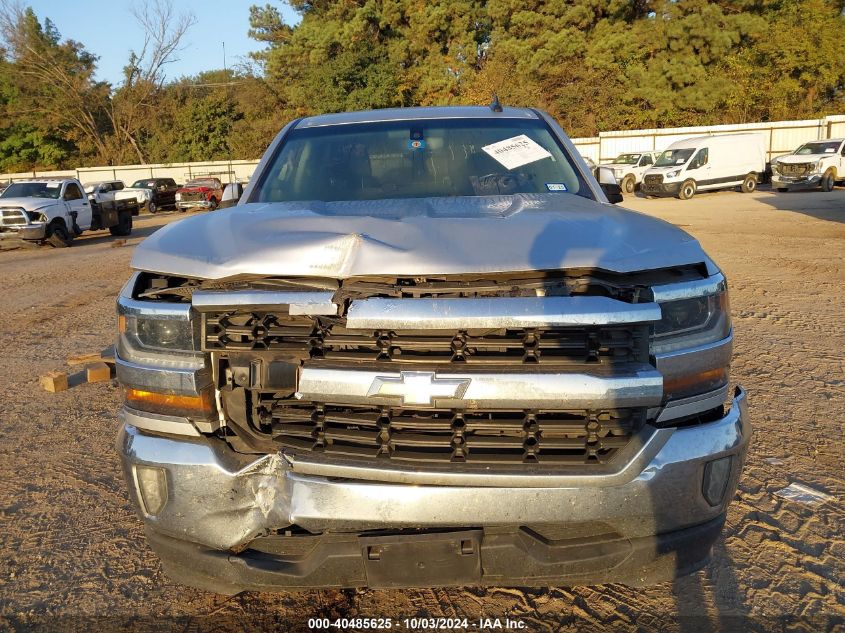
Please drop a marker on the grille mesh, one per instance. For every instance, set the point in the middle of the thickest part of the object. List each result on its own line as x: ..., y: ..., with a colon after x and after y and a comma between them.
x: 444, y: 436
x: 331, y: 342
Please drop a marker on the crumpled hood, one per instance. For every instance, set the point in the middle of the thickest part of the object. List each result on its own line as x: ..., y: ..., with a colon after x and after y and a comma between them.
x: 30, y: 204
x: 798, y: 159
x: 416, y: 237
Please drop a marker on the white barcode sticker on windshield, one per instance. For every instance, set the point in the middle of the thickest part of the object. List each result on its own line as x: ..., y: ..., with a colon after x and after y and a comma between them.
x: 516, y: 151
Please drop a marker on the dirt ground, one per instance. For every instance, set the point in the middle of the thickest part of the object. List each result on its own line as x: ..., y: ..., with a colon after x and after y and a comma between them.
x: 72, y: 551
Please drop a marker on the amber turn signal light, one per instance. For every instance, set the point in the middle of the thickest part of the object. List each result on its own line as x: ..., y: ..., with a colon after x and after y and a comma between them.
x: 694, y: 384
x: 171, y: 404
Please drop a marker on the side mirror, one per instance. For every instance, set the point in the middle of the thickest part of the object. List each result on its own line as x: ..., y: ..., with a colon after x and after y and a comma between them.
x: 609, y: 186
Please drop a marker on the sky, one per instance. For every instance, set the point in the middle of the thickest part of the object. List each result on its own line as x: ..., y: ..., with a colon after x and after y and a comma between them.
x: 108, y: 29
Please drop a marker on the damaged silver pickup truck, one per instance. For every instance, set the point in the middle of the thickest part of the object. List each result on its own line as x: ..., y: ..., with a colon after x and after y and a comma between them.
x: 424, y: 349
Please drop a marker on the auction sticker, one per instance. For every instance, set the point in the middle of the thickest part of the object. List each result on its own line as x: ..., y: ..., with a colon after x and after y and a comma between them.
x: 555, y: 186
x: 516, y: 151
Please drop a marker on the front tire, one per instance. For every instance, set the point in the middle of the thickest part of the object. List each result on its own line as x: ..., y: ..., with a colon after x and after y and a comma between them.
x: 687, y: 190
x: 628, y: 184
x: 124, y: 225
x: 213, y: 203
x: 59, y: 236
x: 828, y: 180
x: 749, y: 183
x: 782, y: 189
x: 151, y: 207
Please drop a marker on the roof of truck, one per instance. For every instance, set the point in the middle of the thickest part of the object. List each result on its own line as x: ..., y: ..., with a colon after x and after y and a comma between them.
x: 410, y: 114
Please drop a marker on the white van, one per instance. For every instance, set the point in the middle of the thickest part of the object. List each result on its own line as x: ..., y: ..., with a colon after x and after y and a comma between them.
x: 707, y: 163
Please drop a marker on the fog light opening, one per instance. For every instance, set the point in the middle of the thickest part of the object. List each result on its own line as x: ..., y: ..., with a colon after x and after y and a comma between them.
x: 151, y: 483
x: 716, y: 476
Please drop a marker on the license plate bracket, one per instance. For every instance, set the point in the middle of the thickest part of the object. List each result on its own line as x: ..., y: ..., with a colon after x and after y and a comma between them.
x: 423, y: 560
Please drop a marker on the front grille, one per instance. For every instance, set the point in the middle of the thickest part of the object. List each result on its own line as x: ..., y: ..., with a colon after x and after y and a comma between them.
x: 12, y: 217
x: 795, y: 169
x: 653, y: 179
x: 192, y: 197
x: 545, y: 438
x: 327, y: 340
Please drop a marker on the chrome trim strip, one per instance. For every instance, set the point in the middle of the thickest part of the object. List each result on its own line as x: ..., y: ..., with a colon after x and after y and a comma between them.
x: 156, y: 309
x: 157, y: 423
x: 161, y: 379
x: 695, y: 359
x: 690, y: 289
x: 495, y: 312
x: 313, y: 303
x: 641, y: 387
x: 695, y: 404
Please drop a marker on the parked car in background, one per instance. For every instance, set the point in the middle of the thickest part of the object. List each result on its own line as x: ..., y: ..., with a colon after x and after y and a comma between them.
x: 707, y: 163
x: 814, y: 164
x: 57, y: 211
x: 199, y: 192
x: 154, y: 193
x: 629, y: 168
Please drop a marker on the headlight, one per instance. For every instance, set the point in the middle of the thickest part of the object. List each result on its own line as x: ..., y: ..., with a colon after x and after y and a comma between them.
x: 673, y: 174
x: 178, y: 196
x: 691, y: 343
x: 692, y: 322
x: 817, y: 167
x: 159, y: 334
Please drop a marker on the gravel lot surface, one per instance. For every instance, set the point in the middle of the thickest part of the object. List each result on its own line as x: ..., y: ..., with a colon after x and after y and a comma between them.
x: 73, y: 555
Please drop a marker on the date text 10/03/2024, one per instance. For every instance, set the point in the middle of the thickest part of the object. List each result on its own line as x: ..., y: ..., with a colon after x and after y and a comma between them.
x: 415, y: 624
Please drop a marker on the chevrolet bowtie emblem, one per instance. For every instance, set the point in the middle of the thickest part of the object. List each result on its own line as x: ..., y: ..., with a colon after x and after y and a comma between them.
x: 418, y: 387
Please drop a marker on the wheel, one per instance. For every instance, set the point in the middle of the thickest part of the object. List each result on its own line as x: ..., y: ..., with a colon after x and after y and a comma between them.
x: 628, y: 183
x: 213, y: 203
x: 123, y: 226
x: 151, y: 207
x: 687, y: 190
x: 182, y: 209
x: 59, y: 237
x: 782, y: 189
x: 749, y: 183
x: 828, y: 180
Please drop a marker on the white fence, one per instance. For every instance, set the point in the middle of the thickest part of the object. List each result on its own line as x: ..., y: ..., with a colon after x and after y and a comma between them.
x: 781, y: 138
x: 180, y: 172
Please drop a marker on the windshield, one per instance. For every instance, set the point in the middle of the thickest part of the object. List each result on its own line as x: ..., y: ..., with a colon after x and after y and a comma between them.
x: 627, y: 159
x: 144, y: 184
x: 32, y: 190
x: 672, y: 157
x: 830, y: 147
x: 418, y: 159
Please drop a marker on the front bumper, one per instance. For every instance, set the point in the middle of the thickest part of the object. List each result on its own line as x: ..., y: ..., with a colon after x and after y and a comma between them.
x: 785, y: 182
x: 192, y: 204
x: 29, y: 232
x: 662, y: 189
x: 219, y: 502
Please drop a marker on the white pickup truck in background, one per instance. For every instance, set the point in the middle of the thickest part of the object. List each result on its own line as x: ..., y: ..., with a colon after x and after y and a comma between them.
x: 629, y: 168
x: 57, y: 211
x: 814, y: 164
